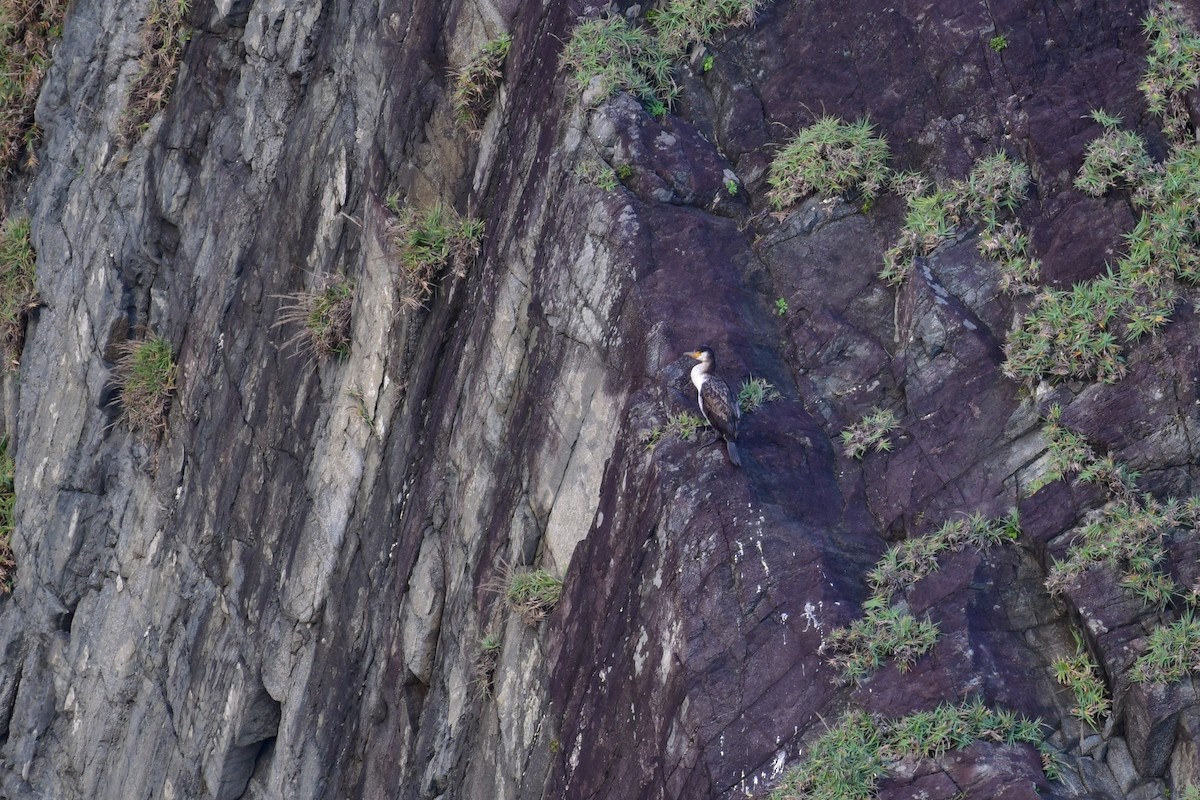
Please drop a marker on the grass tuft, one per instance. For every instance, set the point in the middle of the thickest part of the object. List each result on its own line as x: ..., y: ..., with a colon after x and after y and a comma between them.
x: 869, y: 433
x: 532, y: 593
x: 146, y: 372
x: 1173, y: 652
x: 618, y: 57
x: 18, y: 295
x: 755, y: 393
x: 487, y: 658
x: 683, y: 426
x: 323, y: 316
x: 164, y: 35
x: 1077, y: 333
x: 830, y: 157
x: 684, y: 22
x: 847, y: 761
x: 428, y: 241
x: 1081, y: 675
x: 881, y: 633
x: 475, y: 84
x: 994, y: 186
x: 28, y: 30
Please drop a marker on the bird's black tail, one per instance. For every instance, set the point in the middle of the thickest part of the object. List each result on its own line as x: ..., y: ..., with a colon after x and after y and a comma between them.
x: 731, y: 449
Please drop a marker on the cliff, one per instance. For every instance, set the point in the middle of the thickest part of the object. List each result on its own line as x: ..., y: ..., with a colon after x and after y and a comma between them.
x: 295, y: 587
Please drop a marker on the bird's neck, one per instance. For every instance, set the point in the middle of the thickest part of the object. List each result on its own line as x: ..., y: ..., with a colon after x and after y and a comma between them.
x: 700, y: 373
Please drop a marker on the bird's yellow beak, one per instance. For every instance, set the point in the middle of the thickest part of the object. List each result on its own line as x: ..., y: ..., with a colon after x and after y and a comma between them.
x: 694, y: 354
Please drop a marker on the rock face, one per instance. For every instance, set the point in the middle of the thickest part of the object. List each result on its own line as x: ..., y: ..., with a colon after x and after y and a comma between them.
x: 285, y: 595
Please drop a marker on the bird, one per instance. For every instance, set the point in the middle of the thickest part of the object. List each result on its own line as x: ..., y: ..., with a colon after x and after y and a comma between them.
x: 717, y: 403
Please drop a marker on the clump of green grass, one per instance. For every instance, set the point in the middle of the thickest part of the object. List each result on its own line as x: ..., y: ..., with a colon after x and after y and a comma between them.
x: 429, y: 240
x: 994, y: 186
x: 323, y: 315
x: 532, y: 593
x: 998, y: 43
x: 619, y: 57
x: 830, y: 157
x: 146, y: 372
x: 163, y: 37
x: 781, y: 306
x: 8, y: 500
x: 1173, y: 652
x: 683, y: 426
x: 886, y: 631
x: 755, y: 393
x: 598, y: 174
x: 1080, y: 674
x: 1171, y: 68
x: 683, y: 22
x: 28, y: 30
x: 1128, y: 533
x: 1077, y: 333
x: 487, y: 658
x: 881, y: 633
x: 18, y: 295
x: 869, y: 433
x: 909, y: 561
x: 475, y: 84
x: 847, y: 762
x: 1070, y: 454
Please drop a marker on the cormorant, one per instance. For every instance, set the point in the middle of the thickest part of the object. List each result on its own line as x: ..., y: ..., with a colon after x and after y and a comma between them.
x: 717, y: 403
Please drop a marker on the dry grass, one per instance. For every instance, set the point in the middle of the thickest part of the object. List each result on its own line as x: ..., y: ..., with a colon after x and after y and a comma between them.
x: 28, y: 29
x: 323, y: 316
x: 163, y: 37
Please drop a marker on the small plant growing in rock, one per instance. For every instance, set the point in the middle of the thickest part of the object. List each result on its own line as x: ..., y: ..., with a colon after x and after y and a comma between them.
x: 1080, y: 674
x: 848, y: 760
x: 8, y: 500
x: 683, y: 426
x: 869, y: 433
x: 532, y: 593
x: 487, y: 658
x: 998, y: 43
x: 881, y: 633
x: 708, y: 63
x: 681, y: 23
x: 1171, y: 68
x: 608, y: 55
x: 1076, y: 333
x: 755, y: 393
x: 909, y: 561
x: 597, y: 174
x: 27, y: 32
x: 731, y: 187
x: 887, y: 631
x: 830, y: 157
x: 1173, y: 652
x: 994, y: 185
x: 781, y: 306
x: 476, y: 84
x: 146, y: 372
x: 164, y: 35
x: 323, y: 316
x: 430, y: 240
x: 18, y: 297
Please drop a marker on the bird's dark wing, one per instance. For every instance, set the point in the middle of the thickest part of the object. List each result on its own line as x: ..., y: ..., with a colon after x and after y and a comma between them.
x: 720, y: 407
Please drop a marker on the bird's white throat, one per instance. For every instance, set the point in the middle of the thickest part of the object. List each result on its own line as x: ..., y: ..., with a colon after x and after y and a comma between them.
x: 700, y: 374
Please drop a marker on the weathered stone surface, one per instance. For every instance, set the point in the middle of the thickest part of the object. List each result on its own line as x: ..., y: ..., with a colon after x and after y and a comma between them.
x: 285, y: 596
